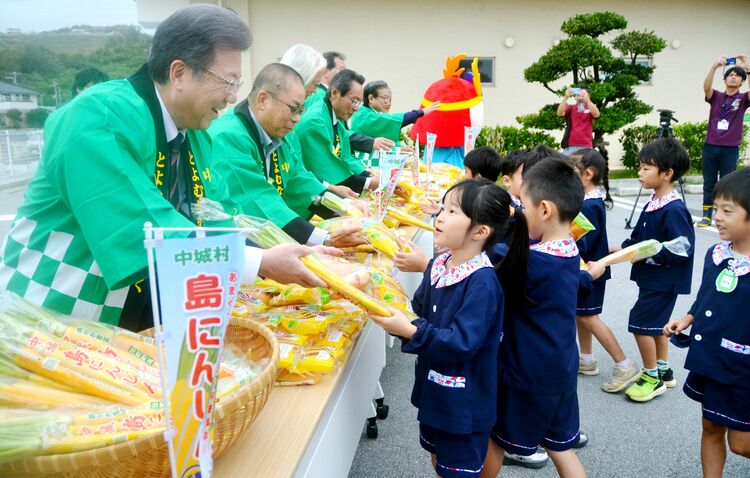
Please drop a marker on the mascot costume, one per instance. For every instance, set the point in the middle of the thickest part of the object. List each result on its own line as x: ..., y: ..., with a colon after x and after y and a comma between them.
x: 460, y: 97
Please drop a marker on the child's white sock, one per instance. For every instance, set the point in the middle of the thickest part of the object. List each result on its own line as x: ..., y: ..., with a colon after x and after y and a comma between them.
x: 652, y: 372
x: 624, y: 365
x: 662, y: 365
x: 587, y: 357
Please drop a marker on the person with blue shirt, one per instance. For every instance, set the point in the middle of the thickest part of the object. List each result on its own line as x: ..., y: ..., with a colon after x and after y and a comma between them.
x: 537, y: 400
x: 662, y: 277
x: 719, y: 354
x: 460, y: 306
x: 593, y: 246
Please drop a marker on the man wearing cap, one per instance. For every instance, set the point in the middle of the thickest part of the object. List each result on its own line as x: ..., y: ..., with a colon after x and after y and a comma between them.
x: 722, y: 148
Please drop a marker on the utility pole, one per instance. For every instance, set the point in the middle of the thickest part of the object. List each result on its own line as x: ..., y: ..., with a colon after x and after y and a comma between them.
x: 13, y: 76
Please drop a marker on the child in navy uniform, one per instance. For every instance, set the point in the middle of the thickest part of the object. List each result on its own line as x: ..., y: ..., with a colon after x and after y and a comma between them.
x: 457, y: 335
x: 719, y: 355
x: 537, y: 400
x: 593, y: 246
x: 662, y: 277
x: 511, y: 171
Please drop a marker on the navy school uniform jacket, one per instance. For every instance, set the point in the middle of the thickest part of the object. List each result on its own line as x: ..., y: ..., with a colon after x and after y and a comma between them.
x: 457, y: 340
x: 665, y: 271
x: 720, y: 335
x: 539, y: 352
x: 594, y: 245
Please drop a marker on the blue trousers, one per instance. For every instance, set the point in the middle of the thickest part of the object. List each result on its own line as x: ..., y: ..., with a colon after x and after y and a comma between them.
x: 720, y: 160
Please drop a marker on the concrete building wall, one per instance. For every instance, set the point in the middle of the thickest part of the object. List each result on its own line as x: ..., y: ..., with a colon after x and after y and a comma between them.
x: 406, y: 43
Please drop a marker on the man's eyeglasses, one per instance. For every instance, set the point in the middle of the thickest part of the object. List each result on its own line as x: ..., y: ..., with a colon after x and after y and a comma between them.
x: 231, y: 85
x: 294, y: 110
x: 386, y: 99
x: 355, y: 102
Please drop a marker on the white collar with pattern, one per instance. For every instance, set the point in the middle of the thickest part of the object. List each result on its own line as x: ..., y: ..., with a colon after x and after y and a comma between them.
x: 596, y: 193
x: 723, y: 251
x: 441, y: 276
x: 558, y: 247
x: 656, y: 204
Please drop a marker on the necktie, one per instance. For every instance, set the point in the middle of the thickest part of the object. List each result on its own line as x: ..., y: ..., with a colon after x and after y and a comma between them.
x: 174, y: 161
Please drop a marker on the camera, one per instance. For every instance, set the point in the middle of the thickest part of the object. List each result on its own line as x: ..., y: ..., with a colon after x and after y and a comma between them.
x: 732, y: 60
x: 666, y: 117
x: 575, y: 91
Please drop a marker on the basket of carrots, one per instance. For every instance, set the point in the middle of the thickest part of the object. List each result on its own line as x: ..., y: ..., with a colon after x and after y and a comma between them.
x: 83, y: 399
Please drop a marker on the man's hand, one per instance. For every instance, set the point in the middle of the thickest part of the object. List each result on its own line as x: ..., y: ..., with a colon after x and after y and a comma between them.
x: 397, y: 324
x: 431, y: 108
x: 343, y: 191
x: 721, y: 61
x: 347, y: 236
x: 743, y: 61
x: 282, y: 263
x: 415, y: 261
x: 432, y: 208
x: 374, y: 182
x: 596, y: 269
x: 674, y: 327
x: 382, y: 144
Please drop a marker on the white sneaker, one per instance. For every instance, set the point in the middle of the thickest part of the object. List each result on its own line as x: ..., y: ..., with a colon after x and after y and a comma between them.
x: 621, y: 379
x: 588, y: 368
x: 537, y: 460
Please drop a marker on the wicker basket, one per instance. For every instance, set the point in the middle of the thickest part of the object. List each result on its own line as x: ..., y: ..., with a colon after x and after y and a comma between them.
x: 147, y: 457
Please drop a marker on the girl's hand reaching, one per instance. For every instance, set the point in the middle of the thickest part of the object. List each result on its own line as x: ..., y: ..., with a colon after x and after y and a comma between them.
x: 397, y: 324
x: 674, y: 327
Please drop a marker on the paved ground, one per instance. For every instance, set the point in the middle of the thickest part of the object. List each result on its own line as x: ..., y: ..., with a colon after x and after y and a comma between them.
x: 656, y: 439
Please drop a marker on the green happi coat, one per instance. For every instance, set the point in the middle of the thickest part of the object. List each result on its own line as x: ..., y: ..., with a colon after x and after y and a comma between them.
x: 326, y: 151
x: 318, y: 94
x: 368, y: 122
x: 76, y: 245
x: 285, y: 197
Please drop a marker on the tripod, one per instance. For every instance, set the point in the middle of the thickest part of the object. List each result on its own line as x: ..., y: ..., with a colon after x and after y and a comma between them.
x: 665, y: 131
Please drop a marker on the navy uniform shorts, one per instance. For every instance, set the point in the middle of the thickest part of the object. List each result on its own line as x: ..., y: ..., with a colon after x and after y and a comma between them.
x: 723, y: 404
x: 592, y: 304
x: 651, y: 312
x: 457, y: 456
x: 526, y: 420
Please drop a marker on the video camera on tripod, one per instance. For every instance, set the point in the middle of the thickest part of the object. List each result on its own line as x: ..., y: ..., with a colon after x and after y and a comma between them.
x: 666, y: 117
x: 665, y: 123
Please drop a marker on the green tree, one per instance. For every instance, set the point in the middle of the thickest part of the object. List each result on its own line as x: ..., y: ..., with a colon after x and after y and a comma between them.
x: 37, y: 117
x: 611, y: 78
x: 15, y: 117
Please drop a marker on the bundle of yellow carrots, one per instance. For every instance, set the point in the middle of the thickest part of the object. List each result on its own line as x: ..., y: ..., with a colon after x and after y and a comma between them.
x: 68, y: 385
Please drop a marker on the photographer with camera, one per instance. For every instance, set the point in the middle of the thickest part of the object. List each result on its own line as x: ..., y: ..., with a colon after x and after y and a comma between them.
x: 579, y: 118
x: 722, y: 148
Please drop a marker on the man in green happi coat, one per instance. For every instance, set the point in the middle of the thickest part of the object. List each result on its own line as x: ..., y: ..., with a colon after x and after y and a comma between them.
x: 125, y: 152
x: 255, y: 149
x: 324, y: 138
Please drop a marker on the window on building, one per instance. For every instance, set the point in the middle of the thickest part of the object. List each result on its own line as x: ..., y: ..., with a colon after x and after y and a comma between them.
x: 486, y: 68
x: 26, y: 98
x: 645, y: 62
x: 7, y: 97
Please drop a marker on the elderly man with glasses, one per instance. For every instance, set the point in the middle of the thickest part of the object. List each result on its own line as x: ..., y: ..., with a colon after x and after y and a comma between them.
x: 324, y: 138
x: 125, y: 152
x: 255, y: 150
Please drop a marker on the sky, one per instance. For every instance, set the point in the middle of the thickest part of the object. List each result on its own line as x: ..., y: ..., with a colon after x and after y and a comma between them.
x: 44, y: 15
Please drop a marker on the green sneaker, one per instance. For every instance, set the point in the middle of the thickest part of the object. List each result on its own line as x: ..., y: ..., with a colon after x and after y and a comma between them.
x: 646, y: 388
x: 667, y: 376
x: 705, y: 222
x: 588, y: 368
x: 621, y: 378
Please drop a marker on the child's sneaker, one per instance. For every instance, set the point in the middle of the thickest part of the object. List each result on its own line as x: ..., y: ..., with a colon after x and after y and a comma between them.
x: 621, y: 378
x: 537, y: 460
x: 588, y: 368
x: 583, y: 440
x: 704, y: 222
x: 646, y: 388
x: 667, y: 376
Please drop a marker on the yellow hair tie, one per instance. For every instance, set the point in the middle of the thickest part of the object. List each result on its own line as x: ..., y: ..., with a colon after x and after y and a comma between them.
x: 512, y: 210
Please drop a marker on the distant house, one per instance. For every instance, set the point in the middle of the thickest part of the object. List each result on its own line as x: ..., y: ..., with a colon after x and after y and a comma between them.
x: 17, y: 97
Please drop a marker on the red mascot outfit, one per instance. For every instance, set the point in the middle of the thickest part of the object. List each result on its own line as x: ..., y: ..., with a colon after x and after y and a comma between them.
x: 460, y: 106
